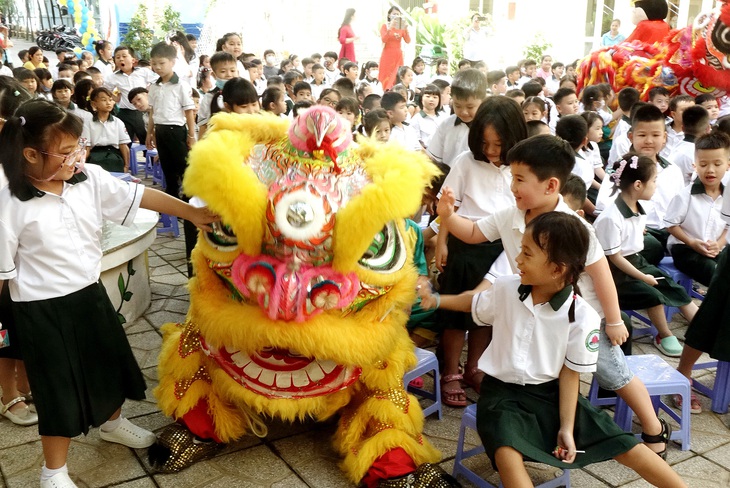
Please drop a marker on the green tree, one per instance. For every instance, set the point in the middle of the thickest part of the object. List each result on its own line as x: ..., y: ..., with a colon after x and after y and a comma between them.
x: 538, y: 47
x: 139, y: 34
x: 170, y: 21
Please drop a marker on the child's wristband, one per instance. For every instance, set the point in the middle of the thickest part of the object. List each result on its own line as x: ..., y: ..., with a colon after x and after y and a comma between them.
x: 615, y: 325
x: 438, y: 299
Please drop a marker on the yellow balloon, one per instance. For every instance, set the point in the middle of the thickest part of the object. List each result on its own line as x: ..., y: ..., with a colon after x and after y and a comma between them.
x: 77, y: 18
x: 77, y: 50
x: 91, y: 22
x: 85, y: 38
x: 63, y: 3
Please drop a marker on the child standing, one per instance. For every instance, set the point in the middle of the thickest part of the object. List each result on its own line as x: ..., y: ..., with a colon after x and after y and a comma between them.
x: 78, y: 379
x: 480, y: 180
x: 105, y: 63
x: 620, y: 230
x: 544, y: 336
x: 693, y: 217
x: 109, y: 138
x: 425, y: 122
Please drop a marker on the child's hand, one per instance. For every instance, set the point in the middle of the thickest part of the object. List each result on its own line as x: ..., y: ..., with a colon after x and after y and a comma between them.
x: 201, y: 217
x: 442, y: 253
x: 713, y: 248
x: 617, y: 334
x: 649, y: 280
x: 701, y: 247
x: 445, y: 207
x: 565, y: 451
x: 150, y: 141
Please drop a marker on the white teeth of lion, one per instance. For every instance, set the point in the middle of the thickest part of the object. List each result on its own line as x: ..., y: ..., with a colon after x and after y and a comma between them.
x: 267, y: 377
x: 315, y: 372
x: 231, y: 350
x: 299, y: 378
x: 328, y: 366
x: 283, y: 380
x: 252, y: 370
x: 240, y: 359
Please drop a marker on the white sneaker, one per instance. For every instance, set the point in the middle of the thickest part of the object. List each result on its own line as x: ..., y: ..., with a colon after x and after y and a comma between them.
x: 60, y: 480
x: 129, y: 435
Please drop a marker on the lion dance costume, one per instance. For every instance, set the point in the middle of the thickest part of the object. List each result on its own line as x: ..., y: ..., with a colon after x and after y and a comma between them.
x: 300, y: 299
x: 693, y: 60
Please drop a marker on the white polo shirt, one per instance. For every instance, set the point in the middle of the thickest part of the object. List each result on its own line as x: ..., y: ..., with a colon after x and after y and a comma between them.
x: 170, y: 100
x: 139, y: 77
x: 620, y: 230
x: 673, y: 139
x: 50, y: 245
x: 480, y: 187
x: 621, y: 143
x: 425, y: 126
x: 85, y: 118
x: 726, y: 209
x: 317, y: 90
x: 583, y: 168
x: 532, y: 342
x: 696, y: 213
x: 204, y: 112
x: 405, y: 136
x: 509, y: 225
x: 109, y: 133
x: 107, y: 69
x: 450, y: 139
x: 683, y: 156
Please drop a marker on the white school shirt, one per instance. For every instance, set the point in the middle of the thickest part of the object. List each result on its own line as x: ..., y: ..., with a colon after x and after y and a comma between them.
x: 425, y: 126
x: 696, y: 213
x: 583, y: 168
x: 107, y: 69
x: 3, y: 178
x: 139, y: 77
x: 420, y: 81
x: 621, y: 143
x: 620, y: 230
x: 592, y: 154
x: 317, y: 90
x: 204, y: 112
x: 170, y: 100
x: 726, y: 209
x: 50, y: 245
x: 673, y: 139
x: 375, y: 84
x: 683, y: 156
x: 85, y: 118
x: 532, y: 342
x: 509, y: 225
x: 405, y: 136
x: 480, y: 188
x: 450, y: 139
x: 109, y: 133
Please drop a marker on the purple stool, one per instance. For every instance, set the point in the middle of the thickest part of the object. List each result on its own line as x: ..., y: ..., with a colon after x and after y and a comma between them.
x: 667, y: 265
x: 169, y: 224
x: 720, y: 392
x: 469, y: 421
x: 642, y: 331
x: 426, y: 362
x: 149, y: 167
x: 660, y: 379
x: 597, y: 401
x: 133, y: 160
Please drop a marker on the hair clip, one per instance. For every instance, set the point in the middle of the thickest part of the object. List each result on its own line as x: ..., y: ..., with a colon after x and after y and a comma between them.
x: 634, y: 162
x: 616, y: 176
x: 22, y: 120
x: 16, y: 93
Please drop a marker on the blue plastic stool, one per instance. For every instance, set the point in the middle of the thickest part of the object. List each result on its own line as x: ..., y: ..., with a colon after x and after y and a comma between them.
x: 150, y: 163
x: 660, y: 379
x: 426, y: 362
x: 597, y: 401
x: 469, y: 421
x: 720, y: 391
x: 642, y: 331
x: 169, y: 224
x: 667, y: 265
x: 133, y: 159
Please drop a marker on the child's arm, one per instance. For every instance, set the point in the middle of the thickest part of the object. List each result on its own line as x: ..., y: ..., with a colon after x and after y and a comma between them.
x: 150, y: 142
x: 162, y: 202
x: 621, y: 263
x: 201, y: 131
x: 568, y: 385
x: 605, y: 288
x: 462, y: 228
x: 697, y: 245
x: 124, y: 149
x: 190, y: 120
x: 458, y: 303
x: 442, y: 249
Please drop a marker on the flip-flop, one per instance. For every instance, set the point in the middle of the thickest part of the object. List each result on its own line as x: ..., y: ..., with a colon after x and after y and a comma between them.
x: 455, y: 392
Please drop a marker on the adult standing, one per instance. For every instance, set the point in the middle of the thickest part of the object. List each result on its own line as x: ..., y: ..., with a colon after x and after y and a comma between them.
x: 613, y: 37
x: 391, y: 59
x: 347, y: 36
x: 475, y: 40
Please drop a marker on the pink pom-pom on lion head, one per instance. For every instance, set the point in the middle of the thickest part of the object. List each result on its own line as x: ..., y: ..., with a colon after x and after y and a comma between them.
x: 321, y: 132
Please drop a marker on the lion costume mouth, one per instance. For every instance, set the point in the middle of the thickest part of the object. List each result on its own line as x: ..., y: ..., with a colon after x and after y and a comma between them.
x: 279, y: 373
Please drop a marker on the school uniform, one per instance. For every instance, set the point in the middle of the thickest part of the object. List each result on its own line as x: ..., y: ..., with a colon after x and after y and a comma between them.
x: 621, y: 143
x: 331, y: 76
x: 425, y: 126
x: 105, y: 140
x: 700, y: 217
x: 79, y: 362
x: 85, y: 117
x: 620, y: 230
x: 673, y: 139
x: 106, y: 68
x: 480, y: 188
x: 375, y: 84
x: 132, y: 118
x: 317, y: 90
x: 169, y: 101
x: 205, y: 110
x: 405, y: 136
x: 583, y: 168
x: 683, y: 156
x: 530, y: 345
x: 592, y: 154
x: 450, y: 139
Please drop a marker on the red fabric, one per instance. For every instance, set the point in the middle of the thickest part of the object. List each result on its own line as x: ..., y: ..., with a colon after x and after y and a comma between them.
x: 199, y: 422
x: 347, y: 50
x: 649, y: 31
x: 392, y: 464
x: 392, y: 57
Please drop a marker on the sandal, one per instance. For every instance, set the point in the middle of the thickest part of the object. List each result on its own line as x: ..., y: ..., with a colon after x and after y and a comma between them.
x: 23, y: 416
x: 448, y: 396
x: 694, y: 403
x: 416, y: 382
x: 469, y: 379
x: 663, y: 437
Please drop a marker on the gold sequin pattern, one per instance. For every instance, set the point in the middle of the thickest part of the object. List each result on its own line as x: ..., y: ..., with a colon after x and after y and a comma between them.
x: 189, y: 340
x: 397, y: 396
x: 184, y: 450
x: 182, y: 386
x: 426, y: 476
x: 375, y: 427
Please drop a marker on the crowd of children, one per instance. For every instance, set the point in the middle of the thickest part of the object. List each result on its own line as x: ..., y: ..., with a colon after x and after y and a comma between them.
x: 647, y: 182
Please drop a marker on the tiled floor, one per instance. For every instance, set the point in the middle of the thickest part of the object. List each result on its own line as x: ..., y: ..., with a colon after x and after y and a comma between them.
x: 299, y: 455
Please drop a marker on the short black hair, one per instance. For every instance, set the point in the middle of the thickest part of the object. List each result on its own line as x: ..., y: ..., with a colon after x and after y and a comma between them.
x: 301, y: 85
x: 557, y: 64
x: 345, y: 86
x: 695, y: 119
x: 547, y: 157
x: 306, y: 61
x: 705, y: 97
x: 658, y: 90
x: 505, y: 116
x: 348, y: 103
x: 93, y: 70
x: 561, y: 94
x: 369, y: 101
x: 532, y: 89
x: 677, y: 100
x: 302, y: 104
x: 274, y: 80
x: 535, y: 127
x: 463, y: 63
x: 494, y: 76
x: 80, y: 75
x: 515, y: 93
x: 627, y: 97
x: 163, y: 50
x: 291, y: 76
x: 61, y: 85
x: 717, y: 139
x: 636, y: 107
x: 349, y: 65
x: 511, y: 69
x: 469, y: 83
x: 316, y: 66
x: 529, y: 62
x: 64, y: 67
x: 136, y: 91
x: 572, y: 128
x: 221, y: 57
x: 646, y: 113
x: 574, y: 188
x: 331, y: 54
x: 390, y: 99
x: 130, y: 50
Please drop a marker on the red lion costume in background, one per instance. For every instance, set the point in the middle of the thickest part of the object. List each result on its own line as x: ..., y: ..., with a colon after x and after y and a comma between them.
x: 693, y: 60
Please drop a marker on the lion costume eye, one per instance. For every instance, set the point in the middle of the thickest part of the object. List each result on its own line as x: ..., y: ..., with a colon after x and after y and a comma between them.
x: 721, y: 38
x: 222, y: 238
x: 387, y: 252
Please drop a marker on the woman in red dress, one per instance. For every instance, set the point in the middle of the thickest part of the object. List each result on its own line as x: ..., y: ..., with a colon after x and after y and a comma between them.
x: 392, y: 57
x: 347, y: 37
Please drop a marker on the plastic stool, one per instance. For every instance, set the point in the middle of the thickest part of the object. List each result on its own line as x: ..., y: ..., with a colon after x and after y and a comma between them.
x: 426, y: 362
x: 597, y: 401
x: 660, y: 379
x: 667, y: 265
x: 469, y: 421
x: 642, y: 331
x: 149, y: 162
x: 169, y: 224
x: 133, y: 159
x: 720, y: 392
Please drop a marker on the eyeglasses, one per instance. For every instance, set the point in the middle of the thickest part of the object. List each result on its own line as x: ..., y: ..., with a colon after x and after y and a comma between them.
x: 330, y: 102
x: 73, y: 157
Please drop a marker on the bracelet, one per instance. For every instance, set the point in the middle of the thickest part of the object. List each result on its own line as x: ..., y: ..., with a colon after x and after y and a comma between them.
x: 191, y: 137
x: 615, y: 325
x: 438, y: 299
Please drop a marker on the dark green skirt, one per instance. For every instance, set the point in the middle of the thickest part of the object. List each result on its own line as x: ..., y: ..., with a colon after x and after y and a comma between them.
x: 527, y: 418
x: 108, y: 157
x: 79, y: 362
x: 467, y: 265
x: 634, y: 294
x: 709, y: 331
